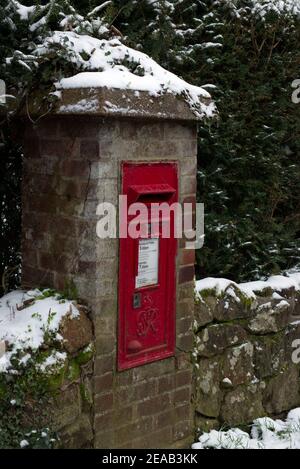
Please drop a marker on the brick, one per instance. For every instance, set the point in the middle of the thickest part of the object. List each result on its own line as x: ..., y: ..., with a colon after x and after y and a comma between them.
x: 185, y: 325
x: 185, y: 292
x: 183, y: 361
x: 104, y: 439
x: 159, y: 439
x: 190, y: 199
x: 134, y: 430
x: 61, y: 264
x: 105, y: 343
x: 179, y: 131
x: 154, y: 405
x: 183, y: 412
x: 152, y: 370
x: 87, y: 267
x: 125, y: 378
x: 66, y: 244
x: 165, y: 419
x: 185, y: 342
x: 75, y: 168
x: 103, y: 383
x: 166, y: 383
x: 104, y: 421
x: 32, y: 277
x: 29, y: 256
x: 187, y: 257
x: 183, y: 378
x: 141, y: 130
x: 68, y: 224
x: 124, y: 415
x: 186, y: 274
x: 71, y: 188
x: 56, y: 147
x: 45, y: 204
x: 89, y: 149
x: 189, y: 167
x: 145, y: 390
x: 78, y: 128
x: 104, y: 364
x: 182, y: 395
x: 104, y: 402
x: 183, y: 430
x: 105, y: 325
x: 32, y: 148
x: 46, y: 128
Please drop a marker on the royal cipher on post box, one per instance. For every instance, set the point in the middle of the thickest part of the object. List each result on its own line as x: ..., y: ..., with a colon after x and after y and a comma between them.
x: 147, y: 274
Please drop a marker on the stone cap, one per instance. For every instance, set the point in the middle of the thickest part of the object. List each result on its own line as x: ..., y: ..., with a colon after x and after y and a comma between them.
x: 125, y: 103
x: 107, y: 102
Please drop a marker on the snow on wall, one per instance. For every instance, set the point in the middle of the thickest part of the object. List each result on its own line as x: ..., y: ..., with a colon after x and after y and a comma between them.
x: 25, y: 319
x: 276, y: 283
x: 266, y: 433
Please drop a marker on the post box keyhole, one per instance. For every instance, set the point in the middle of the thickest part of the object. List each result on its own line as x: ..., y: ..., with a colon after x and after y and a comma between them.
x: 137, y: 300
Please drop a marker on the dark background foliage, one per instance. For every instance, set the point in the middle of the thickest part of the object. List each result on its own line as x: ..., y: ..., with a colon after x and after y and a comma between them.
x: 248, y: 165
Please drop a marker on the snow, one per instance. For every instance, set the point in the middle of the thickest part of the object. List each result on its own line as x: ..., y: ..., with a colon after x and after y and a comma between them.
x: 276, y: 283
x: 23, y: 326
x: 24, y: 444
x: 262, y: 7
x: 265, y: 434
x: 56, y: 358
x: 23, y: 11
x: 111, y: 64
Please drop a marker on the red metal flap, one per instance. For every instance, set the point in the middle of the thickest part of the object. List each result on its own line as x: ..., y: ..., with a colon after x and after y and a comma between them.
x: 141, y: 191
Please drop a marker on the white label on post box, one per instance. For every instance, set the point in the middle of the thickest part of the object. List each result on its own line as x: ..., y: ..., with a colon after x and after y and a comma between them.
x: 147, y: 263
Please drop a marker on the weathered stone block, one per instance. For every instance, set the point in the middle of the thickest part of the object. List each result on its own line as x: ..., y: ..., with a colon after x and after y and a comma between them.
x: 205, y: 425
x: 76, y: 332
x: 238, y: 364
x: 216, y: 338
x: 208, y: 395
x: 242, y: 405
x: 67, y: 407
x: 283, y: 392
x: 203, y: 312
x: 272, y: 316
x: 269, y: 355
x: 79, y: 434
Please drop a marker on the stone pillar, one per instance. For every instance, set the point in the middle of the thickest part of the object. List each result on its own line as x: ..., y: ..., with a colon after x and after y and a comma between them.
x: 72, y: 163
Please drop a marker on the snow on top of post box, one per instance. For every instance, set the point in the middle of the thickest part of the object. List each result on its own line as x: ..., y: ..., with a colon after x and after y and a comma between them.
x: 110, y: 64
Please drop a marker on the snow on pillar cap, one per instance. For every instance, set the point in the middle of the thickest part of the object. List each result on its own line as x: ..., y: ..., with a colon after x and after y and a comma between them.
x: 114, y: 79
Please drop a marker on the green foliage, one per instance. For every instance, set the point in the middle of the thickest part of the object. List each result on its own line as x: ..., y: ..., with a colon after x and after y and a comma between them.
x: 248, y: 170
x: 23, y: 411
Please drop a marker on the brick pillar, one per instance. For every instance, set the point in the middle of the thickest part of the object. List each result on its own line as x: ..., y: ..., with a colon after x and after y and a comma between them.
x: 72, y: 163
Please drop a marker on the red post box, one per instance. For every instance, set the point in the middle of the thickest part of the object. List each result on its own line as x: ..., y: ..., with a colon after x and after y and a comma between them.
x: 147, y: 274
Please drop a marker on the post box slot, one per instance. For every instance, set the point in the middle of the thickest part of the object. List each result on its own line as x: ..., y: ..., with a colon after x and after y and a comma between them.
x: 151, y: 193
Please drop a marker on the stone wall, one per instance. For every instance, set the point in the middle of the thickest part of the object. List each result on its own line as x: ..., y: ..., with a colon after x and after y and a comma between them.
x: 71, y: 165
x: 243, y: 356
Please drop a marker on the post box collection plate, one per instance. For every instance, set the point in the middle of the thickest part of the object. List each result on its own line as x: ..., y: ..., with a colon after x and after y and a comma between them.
x: 147, y: 272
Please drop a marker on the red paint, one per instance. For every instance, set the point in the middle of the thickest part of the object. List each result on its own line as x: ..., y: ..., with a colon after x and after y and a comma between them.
x: 147, y: 329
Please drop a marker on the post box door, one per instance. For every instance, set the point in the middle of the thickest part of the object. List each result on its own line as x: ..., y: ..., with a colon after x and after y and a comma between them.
x: 147, y: 275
